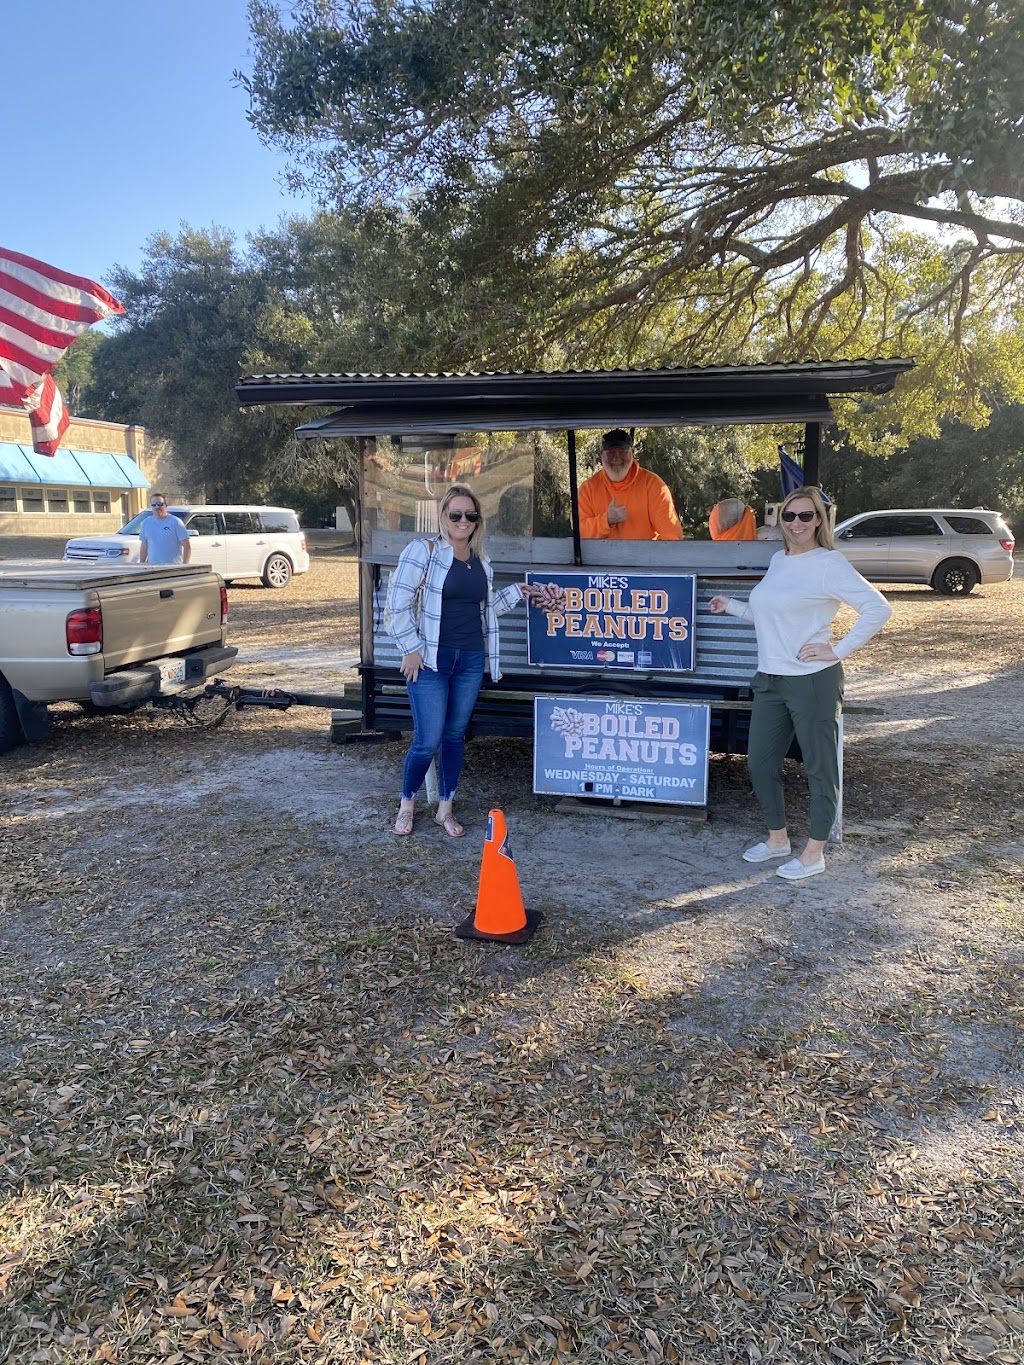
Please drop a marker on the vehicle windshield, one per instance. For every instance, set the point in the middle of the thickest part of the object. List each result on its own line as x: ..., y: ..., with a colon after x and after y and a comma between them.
x: 131, y: 528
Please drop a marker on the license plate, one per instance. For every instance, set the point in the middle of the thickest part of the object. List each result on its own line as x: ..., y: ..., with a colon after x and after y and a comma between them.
x: 172, y: 671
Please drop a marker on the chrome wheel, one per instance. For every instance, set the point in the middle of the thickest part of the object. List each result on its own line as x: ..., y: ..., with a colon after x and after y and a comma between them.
x: 277, y: 572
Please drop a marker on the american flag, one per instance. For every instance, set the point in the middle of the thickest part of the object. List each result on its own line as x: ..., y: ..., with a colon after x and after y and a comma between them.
x: 42, y: 311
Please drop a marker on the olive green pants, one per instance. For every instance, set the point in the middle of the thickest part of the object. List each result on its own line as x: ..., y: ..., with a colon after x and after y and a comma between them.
x: 808, y: 706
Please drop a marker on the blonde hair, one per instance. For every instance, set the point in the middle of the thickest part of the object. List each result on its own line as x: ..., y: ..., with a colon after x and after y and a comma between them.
x: 476, y: 540
x: 823, y: 531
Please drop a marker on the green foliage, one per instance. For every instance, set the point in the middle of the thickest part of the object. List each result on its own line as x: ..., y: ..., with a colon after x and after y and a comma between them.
x: 594, y: 181
x: 73, y: 373
x: 200, y: 315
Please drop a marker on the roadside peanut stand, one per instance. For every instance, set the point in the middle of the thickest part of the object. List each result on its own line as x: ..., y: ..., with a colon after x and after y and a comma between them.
x: 514, y: 438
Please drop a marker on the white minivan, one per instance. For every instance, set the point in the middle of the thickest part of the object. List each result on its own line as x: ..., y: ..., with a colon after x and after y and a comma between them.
x: 237, y: 542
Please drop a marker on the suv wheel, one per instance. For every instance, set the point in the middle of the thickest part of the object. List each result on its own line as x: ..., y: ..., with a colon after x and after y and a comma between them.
x: 955, y: 577
x: 277, y: 572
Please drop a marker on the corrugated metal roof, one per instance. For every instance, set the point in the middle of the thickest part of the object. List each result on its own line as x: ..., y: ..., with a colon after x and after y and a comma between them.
x: 378, y: 404
x: 69, y: 468
x: 807, y: 367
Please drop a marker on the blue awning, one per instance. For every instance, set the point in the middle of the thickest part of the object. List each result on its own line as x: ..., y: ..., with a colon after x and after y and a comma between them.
x: 69, y: 468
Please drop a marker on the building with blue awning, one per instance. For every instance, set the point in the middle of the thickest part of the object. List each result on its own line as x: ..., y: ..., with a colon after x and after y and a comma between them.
x: 94, y: 483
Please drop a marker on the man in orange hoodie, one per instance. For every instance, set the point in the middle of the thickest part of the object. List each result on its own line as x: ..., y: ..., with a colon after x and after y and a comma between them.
x: 622, y: 501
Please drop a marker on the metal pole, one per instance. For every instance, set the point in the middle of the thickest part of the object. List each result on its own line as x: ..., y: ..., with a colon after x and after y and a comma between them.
x: 574, y: 499
x: 812, y: 453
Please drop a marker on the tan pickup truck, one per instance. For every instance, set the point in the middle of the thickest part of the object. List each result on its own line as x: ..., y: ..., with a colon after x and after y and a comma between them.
x: 105, y: 635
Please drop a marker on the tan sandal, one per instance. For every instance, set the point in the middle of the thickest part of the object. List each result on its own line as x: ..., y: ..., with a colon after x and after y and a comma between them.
x: 450, y: 825
x: 404, y: 821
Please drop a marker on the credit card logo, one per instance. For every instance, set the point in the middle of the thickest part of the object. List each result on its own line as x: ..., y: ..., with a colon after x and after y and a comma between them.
x: 605, y: 656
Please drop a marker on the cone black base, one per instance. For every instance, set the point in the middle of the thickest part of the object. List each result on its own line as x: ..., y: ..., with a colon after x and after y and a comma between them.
x: 468, y: 929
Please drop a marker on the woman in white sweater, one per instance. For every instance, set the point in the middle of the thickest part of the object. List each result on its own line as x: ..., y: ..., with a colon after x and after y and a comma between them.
x: 798, y: 686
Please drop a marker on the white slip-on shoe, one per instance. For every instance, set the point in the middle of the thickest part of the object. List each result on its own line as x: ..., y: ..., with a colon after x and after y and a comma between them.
x: 795, y: 871
x: 761, y: 853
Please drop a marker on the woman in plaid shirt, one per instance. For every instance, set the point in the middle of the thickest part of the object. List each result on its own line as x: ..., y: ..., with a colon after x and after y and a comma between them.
x: 444, y: 614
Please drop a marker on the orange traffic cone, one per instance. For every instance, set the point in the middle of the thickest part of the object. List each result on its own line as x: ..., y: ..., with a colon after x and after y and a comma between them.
x: 499, y: 916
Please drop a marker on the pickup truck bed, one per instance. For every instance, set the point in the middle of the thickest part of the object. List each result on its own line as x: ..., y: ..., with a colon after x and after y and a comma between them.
x: 112, y: 635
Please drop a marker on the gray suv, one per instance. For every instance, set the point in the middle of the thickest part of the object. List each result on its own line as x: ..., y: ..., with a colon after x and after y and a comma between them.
x: 953, y: 549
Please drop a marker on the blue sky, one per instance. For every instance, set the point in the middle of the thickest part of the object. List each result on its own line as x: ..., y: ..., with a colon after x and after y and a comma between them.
x: 137, y: 129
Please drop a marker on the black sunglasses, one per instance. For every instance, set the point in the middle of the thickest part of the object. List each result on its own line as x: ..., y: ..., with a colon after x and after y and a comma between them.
x: 470, y: 516
x: 804, y: 516
x: 158, y: 504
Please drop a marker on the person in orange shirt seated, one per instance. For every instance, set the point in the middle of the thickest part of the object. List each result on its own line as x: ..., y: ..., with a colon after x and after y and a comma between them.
x: 622, y: 501
x: 732, y: 519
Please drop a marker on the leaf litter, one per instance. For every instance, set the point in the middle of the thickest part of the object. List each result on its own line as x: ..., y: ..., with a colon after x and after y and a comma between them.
x: 258, y: 1105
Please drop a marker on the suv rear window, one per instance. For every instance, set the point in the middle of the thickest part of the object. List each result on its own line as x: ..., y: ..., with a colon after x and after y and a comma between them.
x: 970, y: 526
x: 282, y: 522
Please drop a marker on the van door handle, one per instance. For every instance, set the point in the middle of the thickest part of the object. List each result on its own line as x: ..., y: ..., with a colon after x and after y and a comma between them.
x: 166, y: 592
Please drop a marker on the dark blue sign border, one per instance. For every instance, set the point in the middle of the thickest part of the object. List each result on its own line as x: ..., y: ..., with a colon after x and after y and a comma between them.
x: 622, y: 747
x: 635, y: 622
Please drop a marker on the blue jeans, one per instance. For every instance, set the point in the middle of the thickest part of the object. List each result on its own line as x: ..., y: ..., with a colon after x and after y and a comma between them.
x: 442, y: 702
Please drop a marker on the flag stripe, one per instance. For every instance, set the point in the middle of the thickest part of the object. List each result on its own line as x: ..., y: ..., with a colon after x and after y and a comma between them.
x: 58, y: 287
x: 42, y: 311
x: 77, y: 312
x: 26, y: 367
x: 34, y: 324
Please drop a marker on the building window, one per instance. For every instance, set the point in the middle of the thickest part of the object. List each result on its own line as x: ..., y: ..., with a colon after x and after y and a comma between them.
x: 81, y: 500
x: 8, y: 499
x: 56, y: 499
x: 31, y: 499
x: 101, y: 502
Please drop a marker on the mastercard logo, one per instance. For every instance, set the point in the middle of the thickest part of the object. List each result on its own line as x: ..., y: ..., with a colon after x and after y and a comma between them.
x: 605, y: 656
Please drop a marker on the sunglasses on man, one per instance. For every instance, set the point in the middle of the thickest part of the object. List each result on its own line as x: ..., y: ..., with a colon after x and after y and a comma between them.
x: 457, y: 516
x: 158, y: 504
x: 803, y: 516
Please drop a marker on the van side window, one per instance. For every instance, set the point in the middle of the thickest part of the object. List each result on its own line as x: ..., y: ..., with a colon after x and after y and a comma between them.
x: 286, y: 523
x: 240, y: 523
x: 203, y: 523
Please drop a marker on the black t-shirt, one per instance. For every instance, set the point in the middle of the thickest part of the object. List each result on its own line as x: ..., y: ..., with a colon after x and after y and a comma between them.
x: 465, y: 587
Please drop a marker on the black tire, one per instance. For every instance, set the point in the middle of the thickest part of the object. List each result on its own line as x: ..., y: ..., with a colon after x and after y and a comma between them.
x: 10, y: 725
x: 277, y: 572
x: 955, y: 578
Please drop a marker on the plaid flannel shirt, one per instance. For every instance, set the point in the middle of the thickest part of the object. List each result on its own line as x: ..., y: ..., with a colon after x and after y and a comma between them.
x: 423, y: 635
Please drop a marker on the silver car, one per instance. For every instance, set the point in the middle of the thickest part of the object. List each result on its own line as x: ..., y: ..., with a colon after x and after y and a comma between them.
x: 952, y: 549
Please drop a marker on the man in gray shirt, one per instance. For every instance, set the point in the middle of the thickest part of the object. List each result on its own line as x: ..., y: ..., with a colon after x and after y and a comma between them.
x: 163, y: 539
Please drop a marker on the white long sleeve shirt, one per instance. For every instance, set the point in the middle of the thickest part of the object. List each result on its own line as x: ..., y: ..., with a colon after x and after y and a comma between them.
x: 797, y: 601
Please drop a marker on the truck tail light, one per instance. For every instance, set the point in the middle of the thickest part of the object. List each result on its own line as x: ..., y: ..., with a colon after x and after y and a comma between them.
x: 223, y: 604
x: 84, y: 631
x: 1008, y: 543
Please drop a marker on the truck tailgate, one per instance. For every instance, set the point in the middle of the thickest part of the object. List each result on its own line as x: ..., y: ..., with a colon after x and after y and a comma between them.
x: 142, y: 620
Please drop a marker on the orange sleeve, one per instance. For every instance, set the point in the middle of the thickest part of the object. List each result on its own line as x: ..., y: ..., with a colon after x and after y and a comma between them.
x: 593, y: 520
x: 662, y: 511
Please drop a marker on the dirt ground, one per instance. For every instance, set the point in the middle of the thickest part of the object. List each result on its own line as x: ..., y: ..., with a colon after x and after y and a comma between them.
x: 258, y: 1103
